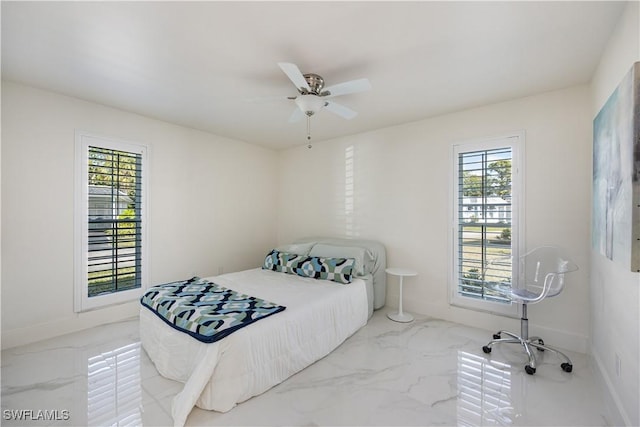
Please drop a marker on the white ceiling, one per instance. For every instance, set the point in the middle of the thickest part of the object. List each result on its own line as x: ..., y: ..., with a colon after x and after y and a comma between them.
x: 205, y: 64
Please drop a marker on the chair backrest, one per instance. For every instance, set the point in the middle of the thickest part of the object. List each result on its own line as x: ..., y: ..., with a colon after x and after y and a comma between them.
x: 542, y: 272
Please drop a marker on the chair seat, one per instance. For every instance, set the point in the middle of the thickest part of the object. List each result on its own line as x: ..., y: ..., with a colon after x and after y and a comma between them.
x: 523, y: 294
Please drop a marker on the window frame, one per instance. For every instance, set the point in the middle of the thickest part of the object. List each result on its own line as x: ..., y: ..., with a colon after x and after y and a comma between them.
x: 82, y: 301
x: 515, y: 141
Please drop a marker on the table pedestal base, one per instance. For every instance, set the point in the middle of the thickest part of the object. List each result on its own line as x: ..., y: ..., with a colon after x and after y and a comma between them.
x: 400, y: 317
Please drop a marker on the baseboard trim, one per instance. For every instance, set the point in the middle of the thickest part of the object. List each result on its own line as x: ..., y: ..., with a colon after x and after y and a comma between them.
x: 77, y: 322
x: 613, y: 404
x: 557, y: 338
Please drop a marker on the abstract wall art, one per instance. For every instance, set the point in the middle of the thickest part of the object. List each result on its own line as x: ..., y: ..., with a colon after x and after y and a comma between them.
x: 616, y: 174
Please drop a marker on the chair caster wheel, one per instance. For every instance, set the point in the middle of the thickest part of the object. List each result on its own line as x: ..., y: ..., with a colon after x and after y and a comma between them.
x: 529, y: 369
x: 541, y: 343
x: 496, y: 336
x: 486, y: 349
x: 567, y: 367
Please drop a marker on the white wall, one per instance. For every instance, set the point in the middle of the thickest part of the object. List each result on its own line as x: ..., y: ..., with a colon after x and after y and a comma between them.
x: 615, y: 300
x: 402, y: 196
x: 212, y: 206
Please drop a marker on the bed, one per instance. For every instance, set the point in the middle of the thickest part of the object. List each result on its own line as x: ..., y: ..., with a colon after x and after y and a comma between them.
x: 319, y: 315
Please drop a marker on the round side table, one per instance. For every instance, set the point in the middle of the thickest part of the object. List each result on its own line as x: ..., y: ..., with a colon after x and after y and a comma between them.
x: 400, y: 316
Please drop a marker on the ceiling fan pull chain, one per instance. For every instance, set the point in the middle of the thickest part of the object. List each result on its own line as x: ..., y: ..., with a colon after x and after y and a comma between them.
x: 309, y: 130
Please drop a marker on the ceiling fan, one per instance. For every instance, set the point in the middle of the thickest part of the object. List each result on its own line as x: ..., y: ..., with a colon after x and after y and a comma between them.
x: 313, y: 96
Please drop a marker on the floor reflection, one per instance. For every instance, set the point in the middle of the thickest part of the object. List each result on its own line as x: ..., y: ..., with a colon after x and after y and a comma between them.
x: 486, y: 392
x: 102, y: 376
x: 114, y: 394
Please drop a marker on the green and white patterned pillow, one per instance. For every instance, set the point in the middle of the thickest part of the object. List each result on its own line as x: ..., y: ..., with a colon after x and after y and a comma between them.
x: 339, y: 270
x: 282, y: 261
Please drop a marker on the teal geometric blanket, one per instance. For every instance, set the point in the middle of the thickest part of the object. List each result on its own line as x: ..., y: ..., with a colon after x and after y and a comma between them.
x: 204, y: 310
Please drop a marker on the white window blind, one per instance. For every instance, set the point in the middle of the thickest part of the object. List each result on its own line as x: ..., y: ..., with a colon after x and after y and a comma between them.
x: 114, y: 260
x: 485, y: 222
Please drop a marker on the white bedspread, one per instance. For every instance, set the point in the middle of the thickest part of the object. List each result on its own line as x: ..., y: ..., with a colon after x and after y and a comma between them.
x: 319, y: 316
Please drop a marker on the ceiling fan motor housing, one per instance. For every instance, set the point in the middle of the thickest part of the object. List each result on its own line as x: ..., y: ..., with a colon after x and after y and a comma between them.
x: 315, y: 82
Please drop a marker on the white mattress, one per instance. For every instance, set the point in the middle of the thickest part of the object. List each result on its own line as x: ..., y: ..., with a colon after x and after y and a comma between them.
x: 319, y: 316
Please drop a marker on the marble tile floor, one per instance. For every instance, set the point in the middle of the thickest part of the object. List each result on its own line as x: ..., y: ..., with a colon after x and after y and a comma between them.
x: 425, y: 373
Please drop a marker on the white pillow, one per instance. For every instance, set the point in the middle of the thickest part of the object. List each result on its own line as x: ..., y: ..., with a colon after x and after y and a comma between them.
x: 296, y: 248
x: 363, y: 259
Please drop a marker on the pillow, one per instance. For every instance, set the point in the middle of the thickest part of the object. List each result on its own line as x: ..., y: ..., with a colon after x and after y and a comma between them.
x: 282, y: 261
x: 335, y: 269
x: 362, y: 257
x: 296, y: 248
x: 339, y: 270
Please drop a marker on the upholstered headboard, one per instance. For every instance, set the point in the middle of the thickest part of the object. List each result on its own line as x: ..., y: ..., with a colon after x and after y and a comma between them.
x: 375, y: 265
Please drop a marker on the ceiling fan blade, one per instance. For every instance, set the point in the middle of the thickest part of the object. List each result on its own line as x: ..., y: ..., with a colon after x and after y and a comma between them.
x: 340, y: 110
x: 296, y: 115
x: 293, y: 72
x: 352, y: 86
x: 267, y: 99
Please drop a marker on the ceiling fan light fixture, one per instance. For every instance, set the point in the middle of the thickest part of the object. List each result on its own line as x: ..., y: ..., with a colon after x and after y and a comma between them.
x: 309, y: 104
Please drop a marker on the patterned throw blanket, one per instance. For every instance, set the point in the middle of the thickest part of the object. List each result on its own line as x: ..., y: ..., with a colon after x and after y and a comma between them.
x: 204, y: 310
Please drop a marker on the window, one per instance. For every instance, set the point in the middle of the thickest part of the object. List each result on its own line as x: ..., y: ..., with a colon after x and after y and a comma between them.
x: 110, y: 221
x: 486, y: 222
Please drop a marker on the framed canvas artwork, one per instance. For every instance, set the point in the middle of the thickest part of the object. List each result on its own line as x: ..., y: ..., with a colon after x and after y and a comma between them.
x: 616, y: 174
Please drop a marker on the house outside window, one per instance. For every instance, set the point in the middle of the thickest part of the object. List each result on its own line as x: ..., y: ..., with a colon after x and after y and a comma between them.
x: 110, y: 220
x: 486, y: 222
